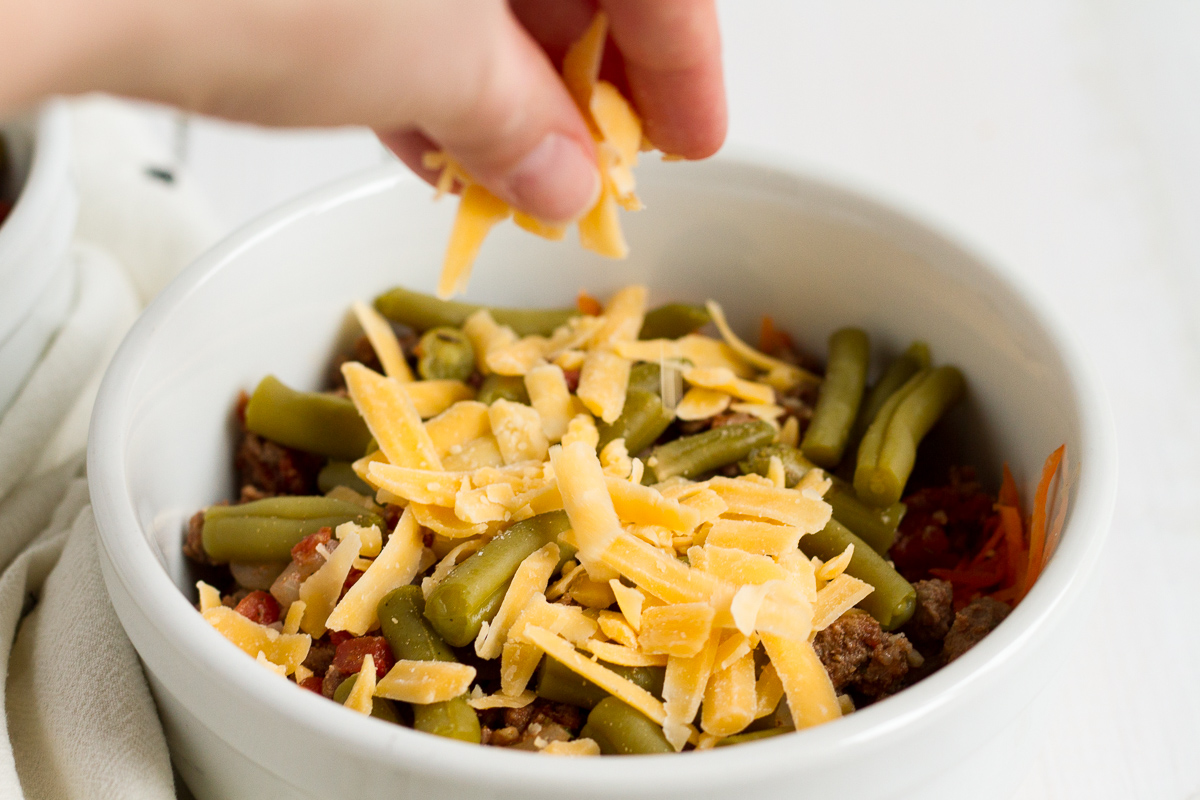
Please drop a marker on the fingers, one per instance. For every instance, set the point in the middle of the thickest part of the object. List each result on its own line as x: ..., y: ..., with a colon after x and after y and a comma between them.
x: 672, y: 52
x: 504, y: 113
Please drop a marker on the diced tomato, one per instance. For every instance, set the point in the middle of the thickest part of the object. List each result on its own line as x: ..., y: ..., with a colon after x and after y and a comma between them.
x: 351, y: 579
x: 312, y: 683
x: 349, y: 656
x: 305, y: 554
x: 572, y: 376
x: 259, y: 607
x: 337, y: 637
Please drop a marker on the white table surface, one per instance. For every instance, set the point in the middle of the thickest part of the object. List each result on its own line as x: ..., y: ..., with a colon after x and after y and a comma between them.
x: 1062, y: 137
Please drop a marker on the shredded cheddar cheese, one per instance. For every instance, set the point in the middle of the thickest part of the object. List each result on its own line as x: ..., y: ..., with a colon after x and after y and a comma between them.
x: 617, y: 131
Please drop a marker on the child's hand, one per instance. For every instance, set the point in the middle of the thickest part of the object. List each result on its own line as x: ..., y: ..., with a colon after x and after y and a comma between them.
x: 476, y: 77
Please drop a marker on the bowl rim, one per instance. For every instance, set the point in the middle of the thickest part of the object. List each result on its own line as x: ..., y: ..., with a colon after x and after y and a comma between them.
x: 142, y: 577
x: 43, y: 199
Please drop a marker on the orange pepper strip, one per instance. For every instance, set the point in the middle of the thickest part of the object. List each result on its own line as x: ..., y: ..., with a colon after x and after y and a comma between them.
x: 1037, y: 525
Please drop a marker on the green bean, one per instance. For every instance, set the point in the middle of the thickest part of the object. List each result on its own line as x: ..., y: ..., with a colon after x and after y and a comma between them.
x: 645, y: 376
x: 620, y: 729
x: 402, y: 622
x: 752, y: 736
x: 445, y: 354
x: 560, y: 684
x: 672, y: 321
x: 894, y: 599
x: 642, y: 421
x: 267, y: 530
x: 795, y: 465
x: 889, y: 448
x: 422, y: 312
x: 410, y: 636
x: 508, y: 387
x: 311, y: 421
x: 690, y: 456
x: 840, y: 396
x: 907, y: 364
x: 876, y: 526
x: 381, y: 707
x: 453, y: 719
x: 453, y: 607
x: 340, y: 473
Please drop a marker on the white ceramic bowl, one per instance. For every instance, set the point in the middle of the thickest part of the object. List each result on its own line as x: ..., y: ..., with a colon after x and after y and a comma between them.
x: 36, y: 273
x: 273, y: 298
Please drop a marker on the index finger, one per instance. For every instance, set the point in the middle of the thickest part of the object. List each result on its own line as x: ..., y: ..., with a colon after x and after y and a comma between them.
x: 672, y: 54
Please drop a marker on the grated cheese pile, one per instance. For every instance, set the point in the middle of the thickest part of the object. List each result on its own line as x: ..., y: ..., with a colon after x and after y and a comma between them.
x: 617, y: 131
x: 693, y: 576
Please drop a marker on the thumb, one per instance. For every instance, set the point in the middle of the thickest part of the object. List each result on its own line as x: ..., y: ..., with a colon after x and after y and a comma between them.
x: 497, y: 105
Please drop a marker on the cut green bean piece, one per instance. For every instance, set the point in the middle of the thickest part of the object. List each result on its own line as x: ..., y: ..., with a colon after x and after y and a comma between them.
x: 422, y: 312
x: 410, y: 636
x: 840, y: 396
x: 889, y: 448
x: 752, y: 736
x: 402, y: 622
x: 673, y: 320
x: 381, y: 707
x: 642, y: 421
x: 454, y: 606
x: 267, y: 530
x: 795, y: 465
x: 894, y: 599
x: 622, y: 730
x: 695, y: 455
x: 445, y: 354
x: 452, y: 719
x: 645, y: 376
x: 507, y: 387
x: 907, y: 364
x: 562, y: 685
x: 876, y: 526
x: 311, y: 421
x: 340, y: 473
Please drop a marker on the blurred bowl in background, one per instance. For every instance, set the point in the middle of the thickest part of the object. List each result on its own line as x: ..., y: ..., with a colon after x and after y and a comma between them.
x: 35, y: 268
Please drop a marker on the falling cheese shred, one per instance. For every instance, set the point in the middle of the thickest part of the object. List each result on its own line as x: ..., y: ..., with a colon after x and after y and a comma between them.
x: 617, y: 131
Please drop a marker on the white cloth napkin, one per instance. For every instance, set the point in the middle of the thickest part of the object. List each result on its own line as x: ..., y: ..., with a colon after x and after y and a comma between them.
x: 80, y: 719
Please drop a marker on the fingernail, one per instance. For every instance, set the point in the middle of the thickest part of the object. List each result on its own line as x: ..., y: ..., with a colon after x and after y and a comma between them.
x: 556, y: 181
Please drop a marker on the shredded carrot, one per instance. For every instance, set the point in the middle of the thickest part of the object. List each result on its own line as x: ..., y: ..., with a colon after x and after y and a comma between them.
x: 588, y: 305
x: 1037, y: 523
x: 989, y: 546
x: 1008, y: 491
x: 1060, y: 511
x: 771, y: 339
x: 1014, y: 541
x: 1007, y: 595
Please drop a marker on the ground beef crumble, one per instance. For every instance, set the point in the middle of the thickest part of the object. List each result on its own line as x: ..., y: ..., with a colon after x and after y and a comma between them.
x: 861, y: 658
x: 521, y: 728
x: 978, y: 619
x: 933, y: 615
